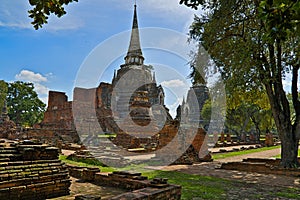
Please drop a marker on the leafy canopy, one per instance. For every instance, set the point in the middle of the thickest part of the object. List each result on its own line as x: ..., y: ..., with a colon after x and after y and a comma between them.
x: 24, y: 106
x: 43, y: 8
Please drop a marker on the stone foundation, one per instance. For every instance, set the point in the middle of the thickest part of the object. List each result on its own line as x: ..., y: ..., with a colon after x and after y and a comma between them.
x: 139, y: 187
x: 32, y: 172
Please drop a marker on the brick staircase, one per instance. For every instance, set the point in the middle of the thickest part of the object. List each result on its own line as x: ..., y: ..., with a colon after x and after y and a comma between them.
x: 32, y: 171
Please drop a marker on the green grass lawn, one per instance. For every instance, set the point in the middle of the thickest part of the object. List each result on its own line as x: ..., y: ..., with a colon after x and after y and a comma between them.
x: 237, y: 153
x: 194, y: 186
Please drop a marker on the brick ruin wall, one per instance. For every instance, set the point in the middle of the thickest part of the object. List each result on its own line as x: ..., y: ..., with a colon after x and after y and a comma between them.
x: 58, y: 123
x: 8, y: 129
x: 261, y: 165
x: 59, y: 112
x: 138, y: 186
x: 32, y: 172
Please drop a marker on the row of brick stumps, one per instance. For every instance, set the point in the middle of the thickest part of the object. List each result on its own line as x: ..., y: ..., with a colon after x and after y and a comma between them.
x: 138, y: 186
x: 260, y: 165
x: 31, y: 171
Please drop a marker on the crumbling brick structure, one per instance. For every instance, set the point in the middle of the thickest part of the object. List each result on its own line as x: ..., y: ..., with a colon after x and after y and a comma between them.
x: 58, y: 119
x: 32, y: 172
x: 59, y: 112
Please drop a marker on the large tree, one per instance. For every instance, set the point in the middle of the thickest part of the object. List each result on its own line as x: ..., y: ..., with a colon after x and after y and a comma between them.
x: 24, y: 106
x: 256, y: 45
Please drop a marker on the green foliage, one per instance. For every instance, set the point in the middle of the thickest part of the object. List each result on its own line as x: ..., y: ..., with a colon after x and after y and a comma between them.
x: 3, y: 93
x: 191, y: 3
x: 249, y: 110
x: 281, y: 18
x: 43, y: 8
x: 24, y: 106
x: 89, y: 161
x: 206, y: 110
x: 245, y: 112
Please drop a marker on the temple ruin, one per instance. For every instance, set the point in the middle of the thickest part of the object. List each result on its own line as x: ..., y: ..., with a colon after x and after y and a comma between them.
x: 132, y: 106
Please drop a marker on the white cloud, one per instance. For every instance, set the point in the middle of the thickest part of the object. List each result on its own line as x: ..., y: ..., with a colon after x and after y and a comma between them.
x: 173, y: 83
x: 38, y: 80
x: 41, y: 89
x: 26, y: 75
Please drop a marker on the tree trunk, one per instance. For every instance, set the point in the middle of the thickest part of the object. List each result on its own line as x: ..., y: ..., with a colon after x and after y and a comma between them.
x: 256, y: 124
x: 288, y: 137
x: 280, y: 105
x: 289, y: 151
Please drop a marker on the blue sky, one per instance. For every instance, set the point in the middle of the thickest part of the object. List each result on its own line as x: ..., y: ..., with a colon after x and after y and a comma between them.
x: 53, y: 56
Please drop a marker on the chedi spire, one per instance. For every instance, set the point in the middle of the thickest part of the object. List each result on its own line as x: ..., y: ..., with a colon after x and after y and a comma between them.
x: 134, y: 54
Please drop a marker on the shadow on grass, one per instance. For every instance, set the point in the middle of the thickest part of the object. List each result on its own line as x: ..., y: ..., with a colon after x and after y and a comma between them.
x: 194, y: 186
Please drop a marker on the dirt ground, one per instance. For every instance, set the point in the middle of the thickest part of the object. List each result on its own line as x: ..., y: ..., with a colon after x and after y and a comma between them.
x: 252, y: 185
x: 79, y: 188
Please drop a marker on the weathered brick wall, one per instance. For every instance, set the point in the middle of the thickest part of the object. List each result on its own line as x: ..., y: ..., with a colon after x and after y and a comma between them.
x: 58, y: 122
x: 7, y: 129
x: 103, y: 95
x: 152, y: 193
x: 52, y: 137
x: 32, y: 172
x: 139, y: 186
x: 168, y: 132
x: 265, y: 166
x: 126, y: 141
x: 59, y: 112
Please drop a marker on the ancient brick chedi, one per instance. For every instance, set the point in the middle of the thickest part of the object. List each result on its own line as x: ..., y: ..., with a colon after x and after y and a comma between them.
x: 132, y: 106
x: 132, y: 92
